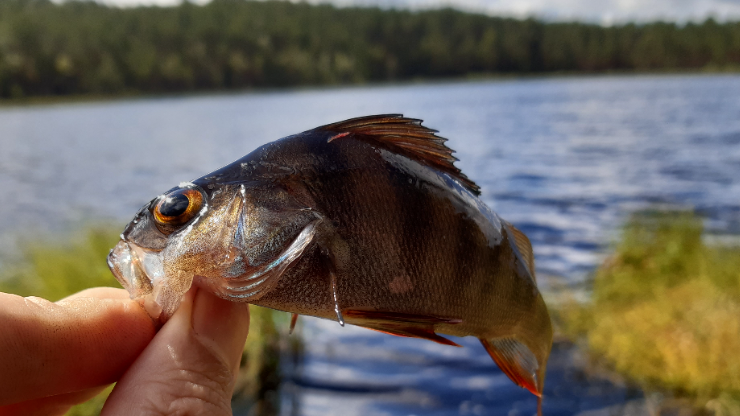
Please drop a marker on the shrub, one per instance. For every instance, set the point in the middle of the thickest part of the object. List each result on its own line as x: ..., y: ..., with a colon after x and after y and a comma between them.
x: 665, y: 311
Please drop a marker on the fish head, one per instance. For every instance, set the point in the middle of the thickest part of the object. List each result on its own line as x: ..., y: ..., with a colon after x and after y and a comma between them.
x: 233, y: 239
x: 173, y: 239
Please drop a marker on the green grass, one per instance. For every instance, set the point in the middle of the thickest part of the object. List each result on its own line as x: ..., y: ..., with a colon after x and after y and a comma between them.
x: 259, y: 376
x: 665, y: 312
x: 54, y: 267
x: 58, y: 266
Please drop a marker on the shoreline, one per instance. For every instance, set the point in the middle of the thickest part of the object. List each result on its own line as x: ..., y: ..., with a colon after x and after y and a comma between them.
x: 54, y: 100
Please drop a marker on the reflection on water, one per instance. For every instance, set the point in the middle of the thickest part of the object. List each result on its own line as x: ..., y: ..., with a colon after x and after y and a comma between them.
x: 371, y: 374
x: 563, y: 159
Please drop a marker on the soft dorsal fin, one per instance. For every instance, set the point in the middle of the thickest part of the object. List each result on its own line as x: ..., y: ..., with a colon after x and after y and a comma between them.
x: 404, y: 136
x: 525, y: 248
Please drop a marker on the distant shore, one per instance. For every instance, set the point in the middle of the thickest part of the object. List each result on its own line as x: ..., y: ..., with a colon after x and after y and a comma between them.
x: 472, y: 78
x: 87, y: 49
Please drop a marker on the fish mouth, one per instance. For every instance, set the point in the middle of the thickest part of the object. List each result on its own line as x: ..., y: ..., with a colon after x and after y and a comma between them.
x: 141, y: 273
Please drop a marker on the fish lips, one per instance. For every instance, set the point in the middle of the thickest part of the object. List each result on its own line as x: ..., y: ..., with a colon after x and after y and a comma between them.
x: 140, y: 272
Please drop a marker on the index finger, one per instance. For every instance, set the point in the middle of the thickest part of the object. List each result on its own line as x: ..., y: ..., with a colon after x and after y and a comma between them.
x: 82, y: 341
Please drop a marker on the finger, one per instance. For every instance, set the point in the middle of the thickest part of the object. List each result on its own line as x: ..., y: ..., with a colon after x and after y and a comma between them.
x: 50, y: 406
x: 99, y: 293
x: 190, y: 365
x: 48, y: 348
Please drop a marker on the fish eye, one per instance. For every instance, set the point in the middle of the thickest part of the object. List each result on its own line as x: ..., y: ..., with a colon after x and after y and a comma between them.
x: 174, y: 205
x: 178, y: 207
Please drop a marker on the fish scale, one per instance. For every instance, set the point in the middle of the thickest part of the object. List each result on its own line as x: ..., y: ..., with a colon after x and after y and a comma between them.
x: 365, y: 221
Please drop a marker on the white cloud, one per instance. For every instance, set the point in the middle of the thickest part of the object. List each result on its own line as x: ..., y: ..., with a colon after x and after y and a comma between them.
x: 600, y: 11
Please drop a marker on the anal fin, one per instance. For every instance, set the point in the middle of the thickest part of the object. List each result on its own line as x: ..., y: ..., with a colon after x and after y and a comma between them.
x: 401, y: 324
x: 516, y: 361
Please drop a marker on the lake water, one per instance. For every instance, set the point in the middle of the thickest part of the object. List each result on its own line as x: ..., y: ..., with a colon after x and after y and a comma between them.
x: 564, y: 159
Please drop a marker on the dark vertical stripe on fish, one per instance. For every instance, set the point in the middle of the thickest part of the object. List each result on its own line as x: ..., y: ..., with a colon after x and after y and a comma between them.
x: 415, y: 247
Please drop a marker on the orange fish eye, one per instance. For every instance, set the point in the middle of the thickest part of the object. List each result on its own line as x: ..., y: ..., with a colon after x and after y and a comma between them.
x: 178, y: 207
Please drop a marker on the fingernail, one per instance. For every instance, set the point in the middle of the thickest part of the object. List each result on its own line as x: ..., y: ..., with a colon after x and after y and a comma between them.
x: 223, y: 324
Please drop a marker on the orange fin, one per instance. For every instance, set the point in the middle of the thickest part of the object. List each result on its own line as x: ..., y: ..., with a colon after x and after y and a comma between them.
x: 401, y: 324
x: 516, y: 361
x: 405, y: 136
x: 293, y: 320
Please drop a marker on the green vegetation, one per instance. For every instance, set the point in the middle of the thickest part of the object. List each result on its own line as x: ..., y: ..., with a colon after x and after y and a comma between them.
x: 665, y: 311
x: 86, y: 48
x: 54, y: 268
x: 259, y: 378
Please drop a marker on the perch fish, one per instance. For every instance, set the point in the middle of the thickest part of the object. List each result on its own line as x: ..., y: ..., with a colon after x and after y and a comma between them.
x: 365, y: 221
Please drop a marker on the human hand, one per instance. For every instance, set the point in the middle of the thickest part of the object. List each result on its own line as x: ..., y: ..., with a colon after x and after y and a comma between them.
x: 55, y: 355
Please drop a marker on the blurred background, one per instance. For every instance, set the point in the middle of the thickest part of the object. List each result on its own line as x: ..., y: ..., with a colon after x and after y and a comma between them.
x: 607, y: 131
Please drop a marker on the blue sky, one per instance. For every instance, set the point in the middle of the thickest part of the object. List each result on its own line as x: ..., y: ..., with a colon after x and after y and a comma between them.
x: 599, y: 11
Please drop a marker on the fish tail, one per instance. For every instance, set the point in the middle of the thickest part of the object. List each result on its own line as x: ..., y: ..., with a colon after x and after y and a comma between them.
x: 539, y: 405
x: 518, y: 362
x: 522, y: 352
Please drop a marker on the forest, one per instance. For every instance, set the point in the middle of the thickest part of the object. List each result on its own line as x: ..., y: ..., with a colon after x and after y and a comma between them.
x: 85, y: 48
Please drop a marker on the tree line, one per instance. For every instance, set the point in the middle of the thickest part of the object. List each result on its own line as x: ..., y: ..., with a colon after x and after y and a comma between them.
x: 81, y: 47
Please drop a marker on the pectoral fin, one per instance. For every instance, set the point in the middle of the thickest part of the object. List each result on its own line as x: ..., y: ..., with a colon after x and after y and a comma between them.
x: 401, y: 324
x: 251, y: 286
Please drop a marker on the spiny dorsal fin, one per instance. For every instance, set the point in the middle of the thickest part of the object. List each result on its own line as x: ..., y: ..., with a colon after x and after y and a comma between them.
x: 405, y: 136
x: 525, y: 248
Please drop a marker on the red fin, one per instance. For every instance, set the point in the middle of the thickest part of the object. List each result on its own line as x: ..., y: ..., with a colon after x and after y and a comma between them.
x: 516, y: 361
x: 411, y: 331
x: 293, y: 320
x: 338, y: 136
x: 404, y: 136
x: 401, y: 324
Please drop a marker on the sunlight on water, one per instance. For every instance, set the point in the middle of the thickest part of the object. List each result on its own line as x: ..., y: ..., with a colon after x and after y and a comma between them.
x: 565, y: 160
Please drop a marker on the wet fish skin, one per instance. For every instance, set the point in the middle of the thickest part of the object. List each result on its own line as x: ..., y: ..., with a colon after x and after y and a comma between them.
x: 366, y: 221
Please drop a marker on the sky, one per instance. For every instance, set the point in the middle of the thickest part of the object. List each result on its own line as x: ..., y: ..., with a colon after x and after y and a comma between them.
x: 605, y: 12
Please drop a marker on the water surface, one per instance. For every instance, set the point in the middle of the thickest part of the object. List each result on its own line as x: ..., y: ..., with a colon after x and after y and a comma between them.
x: 564, y: 159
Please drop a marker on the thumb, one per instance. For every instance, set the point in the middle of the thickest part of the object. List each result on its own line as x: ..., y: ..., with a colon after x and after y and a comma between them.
x: 190, y: 366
